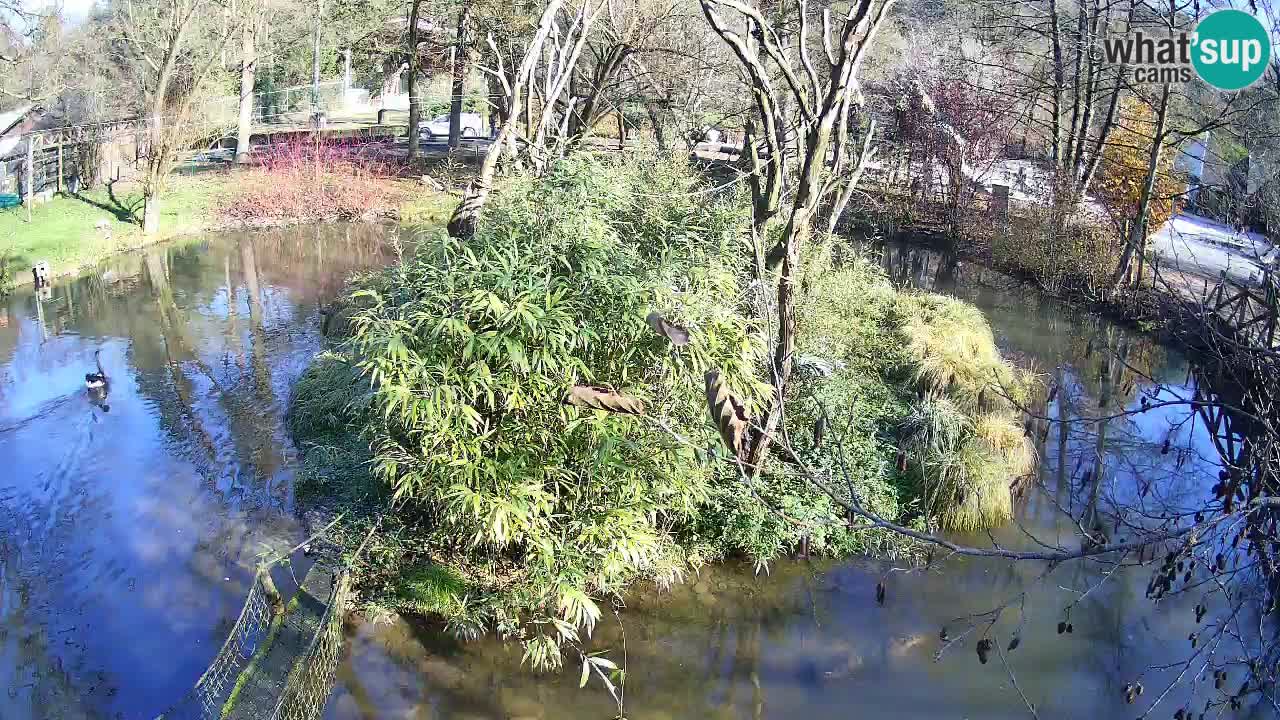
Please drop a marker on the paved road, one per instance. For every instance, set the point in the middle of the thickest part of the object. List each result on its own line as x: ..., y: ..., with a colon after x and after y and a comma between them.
x: 1200, y: 246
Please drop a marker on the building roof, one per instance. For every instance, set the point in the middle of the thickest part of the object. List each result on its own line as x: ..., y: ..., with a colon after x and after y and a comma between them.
x: 9, y: 119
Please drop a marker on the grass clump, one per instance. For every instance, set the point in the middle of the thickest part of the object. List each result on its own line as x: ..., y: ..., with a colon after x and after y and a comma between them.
x: 954, y: 353
x: 963, y: 434
x: 928, y: 406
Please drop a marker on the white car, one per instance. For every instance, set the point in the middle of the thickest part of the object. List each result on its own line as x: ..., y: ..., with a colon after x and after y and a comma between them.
x: 472, y: 127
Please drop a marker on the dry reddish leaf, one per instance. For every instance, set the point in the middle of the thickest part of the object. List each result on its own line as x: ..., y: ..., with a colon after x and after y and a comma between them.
x: 676, y: 334
x: 603, y: 398
x: 728, y: 414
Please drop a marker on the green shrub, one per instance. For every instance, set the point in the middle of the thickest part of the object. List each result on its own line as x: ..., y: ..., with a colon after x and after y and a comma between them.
x: 921, y: 374
x: 845, y: 325
x: 471, y: 349
x: 515, y: 509
x: 1081, y: 253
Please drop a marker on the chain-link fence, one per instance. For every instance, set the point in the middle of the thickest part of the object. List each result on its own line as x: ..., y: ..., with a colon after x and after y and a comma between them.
x: 206, y: 698
x: 279, y: 105
x: 309, y: 683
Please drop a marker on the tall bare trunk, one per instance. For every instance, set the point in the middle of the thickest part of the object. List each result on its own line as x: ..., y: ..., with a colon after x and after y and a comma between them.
x: 315, y: 58
x: 1059, y: 72
x: 248, y: 66
x: 415, y: 102
x: 459, y: 77
x: 157, y: 165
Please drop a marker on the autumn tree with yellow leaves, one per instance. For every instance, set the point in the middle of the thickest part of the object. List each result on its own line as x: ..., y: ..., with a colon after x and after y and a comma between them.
x: 1123, y: 174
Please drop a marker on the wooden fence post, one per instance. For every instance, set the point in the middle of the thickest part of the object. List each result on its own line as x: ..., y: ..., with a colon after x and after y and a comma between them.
x: 59, y: 165
x: 31, y: 157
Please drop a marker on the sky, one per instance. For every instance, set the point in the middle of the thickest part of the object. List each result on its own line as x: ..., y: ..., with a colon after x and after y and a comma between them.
x: 73, y: 11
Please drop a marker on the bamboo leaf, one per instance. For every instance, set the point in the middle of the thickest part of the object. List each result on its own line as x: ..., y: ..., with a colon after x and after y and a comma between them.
x: 603, y: 398
x: 728, y: 414
x: 676, y: 334
x: 604, y: 663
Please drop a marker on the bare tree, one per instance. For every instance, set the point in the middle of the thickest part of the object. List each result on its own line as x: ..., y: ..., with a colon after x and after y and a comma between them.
x: 823, y: 96
x: 176, y: 45
x: 563, y: 45
x: 35, y: 53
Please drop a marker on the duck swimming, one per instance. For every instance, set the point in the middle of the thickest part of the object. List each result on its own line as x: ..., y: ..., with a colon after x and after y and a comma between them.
x: 98, y: 380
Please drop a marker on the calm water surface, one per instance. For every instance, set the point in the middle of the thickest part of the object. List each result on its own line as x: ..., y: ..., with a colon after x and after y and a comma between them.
x: 129, y: 533
x: 809, y: 641
x: 129, y: 529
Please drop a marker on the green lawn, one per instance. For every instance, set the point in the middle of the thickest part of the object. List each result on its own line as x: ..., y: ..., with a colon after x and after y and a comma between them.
x: 65, y: 233
x: 64, y: 230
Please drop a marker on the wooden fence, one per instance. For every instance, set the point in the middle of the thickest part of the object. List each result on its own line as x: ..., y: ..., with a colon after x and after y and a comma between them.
x: 66, y: 159
x: 1250, y: 313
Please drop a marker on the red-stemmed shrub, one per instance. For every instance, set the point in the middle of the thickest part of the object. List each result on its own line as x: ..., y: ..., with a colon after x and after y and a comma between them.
x: 300, y: 180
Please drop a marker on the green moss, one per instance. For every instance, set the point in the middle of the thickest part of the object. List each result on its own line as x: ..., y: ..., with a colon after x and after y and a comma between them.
x: 273, y: 631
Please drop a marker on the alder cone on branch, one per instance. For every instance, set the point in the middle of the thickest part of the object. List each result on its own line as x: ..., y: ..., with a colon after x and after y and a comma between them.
x: 603, y: 398
x: 728, y: 413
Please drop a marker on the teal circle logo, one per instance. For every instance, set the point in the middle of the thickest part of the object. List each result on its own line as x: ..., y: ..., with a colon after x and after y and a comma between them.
x: 1232, y: 49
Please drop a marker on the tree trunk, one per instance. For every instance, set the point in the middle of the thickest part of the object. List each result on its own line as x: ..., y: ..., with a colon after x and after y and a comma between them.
x: 415, y: 103
x: 315, y: 58
x: 528, y: 114
x: 466, y: 217
x: 799, y: 226
x: 156, y: 165
x: 459, y: 77
x: 1055, y: 108
x: 150, y: 212
x: 656, y: 120
x: 248, y: 65
x: 1138, y: 234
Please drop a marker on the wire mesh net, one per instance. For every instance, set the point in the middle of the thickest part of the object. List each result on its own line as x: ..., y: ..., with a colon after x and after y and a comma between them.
x: 309, y: 683
x: 279, y: 663
x: 211, y: 691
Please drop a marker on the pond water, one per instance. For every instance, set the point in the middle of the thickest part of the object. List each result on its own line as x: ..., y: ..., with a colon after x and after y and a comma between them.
x: 129, y: 528
x: 809, y: 639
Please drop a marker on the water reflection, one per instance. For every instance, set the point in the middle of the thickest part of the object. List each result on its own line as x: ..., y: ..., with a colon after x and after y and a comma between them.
x: 809, y: 641
x: 129, y: 528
